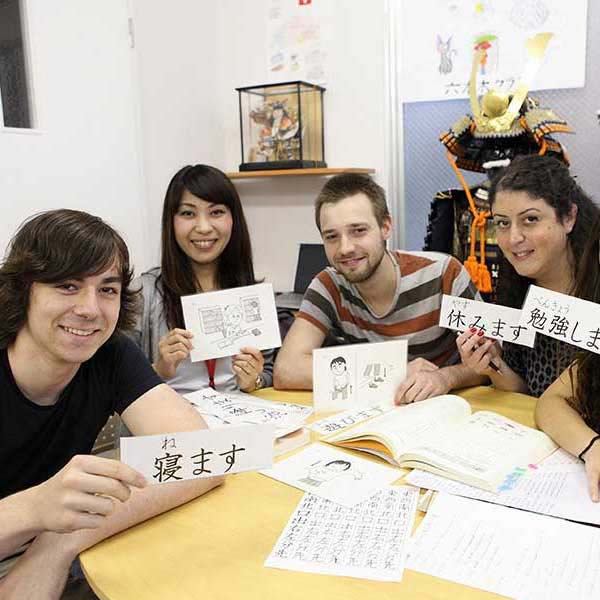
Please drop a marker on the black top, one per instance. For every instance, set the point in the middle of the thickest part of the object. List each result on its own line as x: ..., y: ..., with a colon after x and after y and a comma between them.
x: 541, y: 365
x: 37, y: 441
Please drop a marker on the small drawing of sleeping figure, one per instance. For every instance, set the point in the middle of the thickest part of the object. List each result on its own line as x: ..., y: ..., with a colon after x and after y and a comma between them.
x: 341, y: 387
x: 319, y: 473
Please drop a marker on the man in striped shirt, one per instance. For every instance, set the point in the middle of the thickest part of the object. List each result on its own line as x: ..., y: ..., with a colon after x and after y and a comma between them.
x: 370, y: 294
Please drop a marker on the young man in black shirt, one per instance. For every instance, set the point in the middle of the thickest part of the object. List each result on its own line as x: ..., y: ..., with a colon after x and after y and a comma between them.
x: 65, y: 367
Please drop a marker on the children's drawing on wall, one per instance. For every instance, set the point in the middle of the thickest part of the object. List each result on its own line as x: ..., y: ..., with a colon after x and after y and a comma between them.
x: 446, y: 53
x: 341, y: 386
x: 358, y: 376
x: 223, y: 322
x: 529, y: 14
x: 322, y: 472
x: 450, y: 31
x: 487, y: 43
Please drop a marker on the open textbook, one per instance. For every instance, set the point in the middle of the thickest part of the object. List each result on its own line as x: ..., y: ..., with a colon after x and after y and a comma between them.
x: 440, y: 435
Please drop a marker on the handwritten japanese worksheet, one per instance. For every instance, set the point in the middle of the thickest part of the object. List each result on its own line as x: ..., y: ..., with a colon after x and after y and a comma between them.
x: 562, y: 317
x: 510, y: 552
x: 333, y: 474
x: 202, y: 453
x: 497, y: 321
x: 358, y: 375
x: 555, y: 487
x: 341, y: 420
x: 367, y: 541
x: 225, y: 321
x: 236, y: 408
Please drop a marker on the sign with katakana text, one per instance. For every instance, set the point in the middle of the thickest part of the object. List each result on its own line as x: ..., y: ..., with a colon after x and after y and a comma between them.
x: 497, y: 321
x: 562, y: 317
x: 170, y: 457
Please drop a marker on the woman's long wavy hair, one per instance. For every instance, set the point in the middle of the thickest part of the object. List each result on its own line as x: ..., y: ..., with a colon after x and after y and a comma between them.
x: 234, y: 267
x: 548, y: 179
x: 57, y: 246
x: 587, y: 287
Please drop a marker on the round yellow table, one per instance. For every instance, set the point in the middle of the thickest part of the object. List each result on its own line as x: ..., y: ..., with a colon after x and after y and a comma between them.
x: 214, y: 547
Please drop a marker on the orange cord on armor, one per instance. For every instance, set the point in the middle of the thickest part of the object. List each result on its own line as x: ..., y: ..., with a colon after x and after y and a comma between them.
x: 479, y: 272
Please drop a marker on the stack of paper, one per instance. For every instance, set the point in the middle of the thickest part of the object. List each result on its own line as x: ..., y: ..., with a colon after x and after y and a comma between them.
x: 510, y: 552
x: 367, y: 541
x: 557, y: 487
x: 236, y: 408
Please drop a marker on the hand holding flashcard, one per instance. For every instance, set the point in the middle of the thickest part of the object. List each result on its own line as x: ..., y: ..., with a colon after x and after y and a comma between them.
x: 358, y: 375
x: 172, y: 457
x: 563, y: 318
x: 226, y: 321
x: 496, y: 321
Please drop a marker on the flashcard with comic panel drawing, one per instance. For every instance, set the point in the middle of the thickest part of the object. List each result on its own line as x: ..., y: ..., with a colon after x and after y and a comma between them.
x: 225, y: 321
x: 358, y: 375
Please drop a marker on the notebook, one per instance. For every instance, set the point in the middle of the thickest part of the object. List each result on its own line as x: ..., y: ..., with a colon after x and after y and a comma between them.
x: 311, y: 261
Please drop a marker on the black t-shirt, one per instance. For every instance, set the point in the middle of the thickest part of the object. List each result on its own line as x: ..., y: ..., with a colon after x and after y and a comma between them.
x: 37, y: 441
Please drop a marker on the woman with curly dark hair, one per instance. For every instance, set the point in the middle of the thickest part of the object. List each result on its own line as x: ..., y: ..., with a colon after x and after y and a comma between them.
x: 543, y: 221
x: 569, y: 410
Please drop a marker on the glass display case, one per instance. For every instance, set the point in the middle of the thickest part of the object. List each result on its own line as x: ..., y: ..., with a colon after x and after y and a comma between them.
x: 281, y: 126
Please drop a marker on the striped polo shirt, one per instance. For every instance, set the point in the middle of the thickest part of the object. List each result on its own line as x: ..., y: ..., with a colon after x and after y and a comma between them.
x: 331, y: 303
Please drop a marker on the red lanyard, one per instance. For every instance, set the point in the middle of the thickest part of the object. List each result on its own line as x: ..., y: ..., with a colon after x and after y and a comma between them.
x: 211, y: 365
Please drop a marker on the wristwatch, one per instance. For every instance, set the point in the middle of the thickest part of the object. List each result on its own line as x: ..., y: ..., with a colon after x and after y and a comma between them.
x: 259, y: 383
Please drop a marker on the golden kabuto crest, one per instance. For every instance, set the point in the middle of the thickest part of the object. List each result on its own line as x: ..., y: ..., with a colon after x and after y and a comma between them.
x: 502, y: 126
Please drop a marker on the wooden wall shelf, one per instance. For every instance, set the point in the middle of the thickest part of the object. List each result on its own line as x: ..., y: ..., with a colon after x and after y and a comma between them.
x: 295, y: 172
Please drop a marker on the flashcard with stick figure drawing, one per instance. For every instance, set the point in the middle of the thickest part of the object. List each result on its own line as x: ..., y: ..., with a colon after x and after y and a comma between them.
x: 223, y: 322
x: 358, y: 376
x: 339, y: 476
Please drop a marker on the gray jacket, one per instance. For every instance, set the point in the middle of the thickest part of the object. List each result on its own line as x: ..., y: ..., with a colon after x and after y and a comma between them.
x: 151, y: 326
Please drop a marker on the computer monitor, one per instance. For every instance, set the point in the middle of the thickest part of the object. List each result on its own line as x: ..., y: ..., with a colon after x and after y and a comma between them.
x: 311, y: 261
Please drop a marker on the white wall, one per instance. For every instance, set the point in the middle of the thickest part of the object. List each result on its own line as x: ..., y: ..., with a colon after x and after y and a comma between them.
x: 176, y: 70
x: 189, y: 57
x: 280, y: 210
x: 83, y: 154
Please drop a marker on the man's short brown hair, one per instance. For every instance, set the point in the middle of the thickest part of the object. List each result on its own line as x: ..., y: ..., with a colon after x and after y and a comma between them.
x: 56, y: 246
x: 349, y: 184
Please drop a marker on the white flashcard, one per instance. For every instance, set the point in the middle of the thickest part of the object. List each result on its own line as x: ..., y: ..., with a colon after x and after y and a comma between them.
x: 236, y: 408
x: 562, y: 317
x: 367, y: 541
x: 358, y: 375
x: 497, y: 321
x: 225, y: 321
x: 330, y: 473
x: 340, y: 421
x: 171, y: 457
